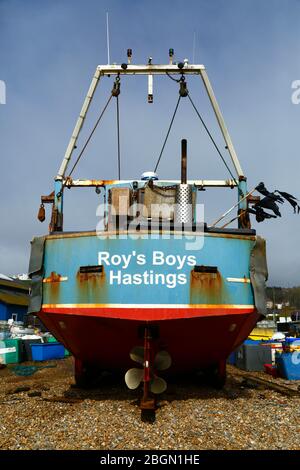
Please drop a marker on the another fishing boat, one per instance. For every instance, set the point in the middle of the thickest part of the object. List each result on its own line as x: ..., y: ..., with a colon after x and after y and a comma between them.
x: 155, y: 285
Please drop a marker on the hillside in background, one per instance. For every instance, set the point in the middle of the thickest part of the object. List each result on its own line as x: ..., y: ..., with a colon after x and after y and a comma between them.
x: 285, y: 295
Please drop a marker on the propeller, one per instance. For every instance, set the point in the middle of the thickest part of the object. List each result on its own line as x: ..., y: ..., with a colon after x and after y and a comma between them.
x: 158, y: 385
x: 137, y: 354
x: 134, y: 376
x: 162, y: 360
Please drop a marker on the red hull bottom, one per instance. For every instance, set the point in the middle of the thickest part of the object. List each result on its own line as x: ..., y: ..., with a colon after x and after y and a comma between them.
x: 193, y: 343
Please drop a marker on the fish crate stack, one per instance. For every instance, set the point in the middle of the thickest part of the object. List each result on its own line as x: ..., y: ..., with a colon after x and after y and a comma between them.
x: 47, y: 351
x: 10, y: 351
x: 20, y: 344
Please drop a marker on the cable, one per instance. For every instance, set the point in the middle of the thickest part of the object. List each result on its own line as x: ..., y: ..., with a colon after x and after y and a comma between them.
x: 212, y: 139
x: 205, y: 126
x: 174, y: 79
x: 164, y: 144
x: 90, y: 136
x: 118, y: 133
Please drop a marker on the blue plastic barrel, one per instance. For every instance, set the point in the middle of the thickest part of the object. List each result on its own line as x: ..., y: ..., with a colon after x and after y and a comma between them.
x: 288, y: 365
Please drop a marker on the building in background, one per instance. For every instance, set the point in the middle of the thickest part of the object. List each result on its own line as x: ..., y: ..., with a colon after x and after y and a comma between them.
x: 14, y: 298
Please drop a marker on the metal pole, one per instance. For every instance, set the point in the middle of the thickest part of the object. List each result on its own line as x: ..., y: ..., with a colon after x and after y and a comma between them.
x: 274, y: 315
x: 107, y: 39
x: 243, y: 203
x: 183, y: 161
x: 150, y: 69
x: 194, y: 46
x: 221, y: 122
x: 79, y: 124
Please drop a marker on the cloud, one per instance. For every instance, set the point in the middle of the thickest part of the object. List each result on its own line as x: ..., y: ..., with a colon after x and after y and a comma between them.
x: 51, y: 50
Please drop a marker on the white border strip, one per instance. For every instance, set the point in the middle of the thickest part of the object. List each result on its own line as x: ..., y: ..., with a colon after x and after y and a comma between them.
x: 150, y: 306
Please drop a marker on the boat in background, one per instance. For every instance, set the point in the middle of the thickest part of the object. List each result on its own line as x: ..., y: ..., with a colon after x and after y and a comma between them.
x: 155, y: 286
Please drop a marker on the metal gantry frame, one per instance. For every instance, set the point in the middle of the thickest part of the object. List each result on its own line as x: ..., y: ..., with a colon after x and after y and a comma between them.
x: 62, y: 180
x: 107, y: 70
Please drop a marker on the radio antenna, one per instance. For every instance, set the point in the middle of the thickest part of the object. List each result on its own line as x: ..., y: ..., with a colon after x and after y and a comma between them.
x: 107, y: 39
x: 194, y: 46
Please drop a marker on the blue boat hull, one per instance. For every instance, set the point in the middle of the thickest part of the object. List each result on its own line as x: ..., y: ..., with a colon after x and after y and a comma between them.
x: 201, y: 314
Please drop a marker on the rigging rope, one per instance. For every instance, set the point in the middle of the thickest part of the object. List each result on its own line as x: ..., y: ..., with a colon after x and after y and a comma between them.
x: 165, y: 141
x: 212, y: 139
x: 174, y: 79
x: 183, y: 92
x: 91, y: 134
x: 118, y: 133
x: 115, y: 92
x: 205, y: 127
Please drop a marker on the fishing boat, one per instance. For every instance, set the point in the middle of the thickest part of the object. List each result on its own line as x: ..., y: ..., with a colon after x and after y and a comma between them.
x: 155, y: 290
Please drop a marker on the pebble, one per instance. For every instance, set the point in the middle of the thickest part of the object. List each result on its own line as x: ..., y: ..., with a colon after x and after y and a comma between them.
x: 189, y: 416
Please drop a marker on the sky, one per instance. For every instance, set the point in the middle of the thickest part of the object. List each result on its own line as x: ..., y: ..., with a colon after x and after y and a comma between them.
x: 49, y: 52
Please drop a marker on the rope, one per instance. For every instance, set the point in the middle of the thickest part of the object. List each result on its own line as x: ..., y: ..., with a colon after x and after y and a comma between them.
x: 211, y: 138
x: 232, y: 220
x: 91, y: 134
x: 229, y: 210
x: 205, y: 126
x: 165, y: 141
x: 118, y: 133
x: 174, y: 79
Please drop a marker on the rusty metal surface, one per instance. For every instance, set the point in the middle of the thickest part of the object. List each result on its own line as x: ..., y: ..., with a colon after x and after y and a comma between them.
x: 41, y: 213
x: 48, y: 199
x: 91, y: 287
x: 208, y: 288
x: 69, y: 182
x: 54, y: 277
x: 147, y: 403
x: 53, y: 289
x: 183, y: 161
x: 244, y: 219
x: 108, y: 233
